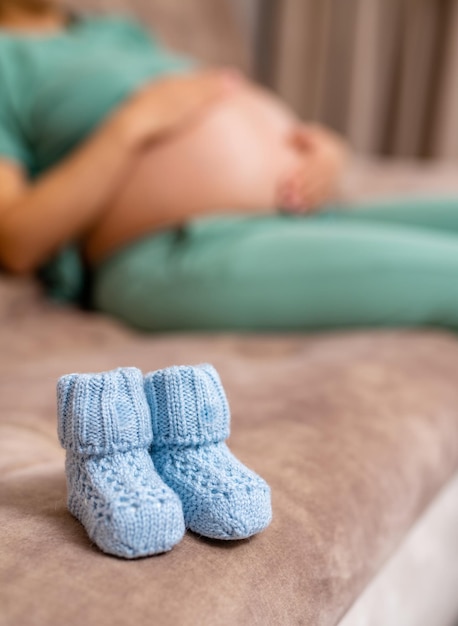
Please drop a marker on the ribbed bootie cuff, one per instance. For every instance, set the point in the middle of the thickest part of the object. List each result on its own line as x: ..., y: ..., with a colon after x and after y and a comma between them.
x: 188, y: 406
x: 103, y: 413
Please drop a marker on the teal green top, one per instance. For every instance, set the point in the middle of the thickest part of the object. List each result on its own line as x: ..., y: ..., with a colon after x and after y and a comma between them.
x: 55, y: 89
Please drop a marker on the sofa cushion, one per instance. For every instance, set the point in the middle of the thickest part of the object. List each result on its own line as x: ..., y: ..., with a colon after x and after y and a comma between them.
x: 356, y: 433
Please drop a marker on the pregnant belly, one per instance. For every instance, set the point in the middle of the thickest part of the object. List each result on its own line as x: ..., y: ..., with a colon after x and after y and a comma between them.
x: 230, y: 160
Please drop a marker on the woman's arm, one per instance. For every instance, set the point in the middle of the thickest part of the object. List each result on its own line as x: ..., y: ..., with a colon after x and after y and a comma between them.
x: 36, y: 219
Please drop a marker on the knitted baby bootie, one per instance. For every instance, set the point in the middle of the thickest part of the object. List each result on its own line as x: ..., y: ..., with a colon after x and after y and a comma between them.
x: 113, y: 489
x: 221, y: 498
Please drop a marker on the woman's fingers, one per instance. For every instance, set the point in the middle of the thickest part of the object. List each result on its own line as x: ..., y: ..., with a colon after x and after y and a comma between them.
x: 305, y: 191
x: 213, y: 84
x: 307, y: 137
x: 314, y: 183
x: 169, y: 103
x: 302, y: 139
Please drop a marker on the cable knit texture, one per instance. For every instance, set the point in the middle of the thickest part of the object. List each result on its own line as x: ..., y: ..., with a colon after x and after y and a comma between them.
x: 113, y: 489
x: 221, y: 498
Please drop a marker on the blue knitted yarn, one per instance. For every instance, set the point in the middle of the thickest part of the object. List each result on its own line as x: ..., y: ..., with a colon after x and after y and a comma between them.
x: 221, y: 498
x: 113, y: 489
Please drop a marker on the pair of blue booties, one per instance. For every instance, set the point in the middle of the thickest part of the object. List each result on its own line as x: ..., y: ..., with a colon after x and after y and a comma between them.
x: 146, y: 459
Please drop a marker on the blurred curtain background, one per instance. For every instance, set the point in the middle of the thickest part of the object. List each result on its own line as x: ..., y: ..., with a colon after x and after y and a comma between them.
x: 382, y: 72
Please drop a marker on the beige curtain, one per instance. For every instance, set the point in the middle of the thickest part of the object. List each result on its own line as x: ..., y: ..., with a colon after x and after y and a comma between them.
x: 383, y: 72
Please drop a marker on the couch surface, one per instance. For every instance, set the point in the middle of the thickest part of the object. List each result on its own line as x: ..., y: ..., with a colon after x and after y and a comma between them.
x: 355, y: 432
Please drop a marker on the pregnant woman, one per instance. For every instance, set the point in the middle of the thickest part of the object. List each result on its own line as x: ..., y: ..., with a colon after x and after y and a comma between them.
x: 169, y: 179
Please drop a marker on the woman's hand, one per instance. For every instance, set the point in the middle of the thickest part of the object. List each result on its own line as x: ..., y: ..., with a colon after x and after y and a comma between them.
x: 316, y: 181
x: 167, y: 104
x: 37, y: 218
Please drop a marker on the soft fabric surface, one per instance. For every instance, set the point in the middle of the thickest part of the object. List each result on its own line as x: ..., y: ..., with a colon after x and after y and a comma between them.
x: 417, y: 586
x: 355, y: 433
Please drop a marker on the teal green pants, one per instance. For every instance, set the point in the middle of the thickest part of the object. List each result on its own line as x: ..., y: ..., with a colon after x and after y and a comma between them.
x: 391, y: 264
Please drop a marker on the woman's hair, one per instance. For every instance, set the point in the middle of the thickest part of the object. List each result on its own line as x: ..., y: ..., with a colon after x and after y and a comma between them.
x: 33, y: 5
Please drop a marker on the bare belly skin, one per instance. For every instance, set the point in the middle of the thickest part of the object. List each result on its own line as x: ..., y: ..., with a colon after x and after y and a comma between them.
x: 230, y: 160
